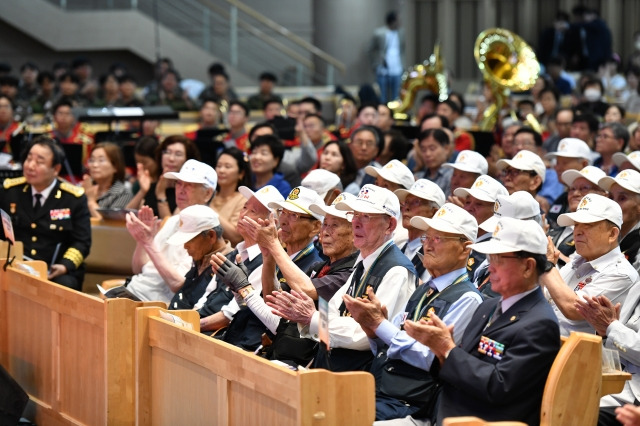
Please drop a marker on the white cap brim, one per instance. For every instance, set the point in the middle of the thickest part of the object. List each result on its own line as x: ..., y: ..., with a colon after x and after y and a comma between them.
x: 606, y: 183
x: 179, y: 238
x: 570, y: 219
x: 185, y: 177
x: 287, y: 205
x: 325, y: 210
x: 569, y: 176
x: 489, y: 225
x: 360, y: 207
x: 494, y: 247
x: 480, y: 195
x: 463, y: 168
x: 425, y: 223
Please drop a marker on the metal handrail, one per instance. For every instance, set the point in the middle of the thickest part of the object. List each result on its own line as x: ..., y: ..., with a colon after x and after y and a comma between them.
x: 261, y: 34
x: 288, y: 34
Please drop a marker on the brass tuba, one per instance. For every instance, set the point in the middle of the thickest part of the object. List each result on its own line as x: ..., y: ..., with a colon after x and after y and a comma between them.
x: 430, y: 75
x: 507, y: 63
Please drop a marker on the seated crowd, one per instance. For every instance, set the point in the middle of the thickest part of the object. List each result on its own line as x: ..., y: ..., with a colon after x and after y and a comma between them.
x: 448, y: 275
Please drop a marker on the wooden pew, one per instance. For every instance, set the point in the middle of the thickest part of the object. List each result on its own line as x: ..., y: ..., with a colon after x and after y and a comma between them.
x: 185, y: 377
x: 573, y: 389
x: 72, y: 352
x: 111, y: 251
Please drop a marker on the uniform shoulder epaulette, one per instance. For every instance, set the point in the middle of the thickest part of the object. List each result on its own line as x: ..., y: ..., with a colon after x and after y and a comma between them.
x: 75, y: 190
x: 11, y: 182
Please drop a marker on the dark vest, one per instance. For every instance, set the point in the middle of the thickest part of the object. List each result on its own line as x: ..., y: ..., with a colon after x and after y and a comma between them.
x: 399, y: 380
x: 343, y: 359
x: 567, y: 246
x: 630, y: 244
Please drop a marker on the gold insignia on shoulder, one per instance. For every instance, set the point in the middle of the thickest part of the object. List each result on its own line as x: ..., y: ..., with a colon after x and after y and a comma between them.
x: 72, y: 189
x: 513, y: 318
x: 11, y: 182
x: 571, y: 243
x: 471, y: 261
x: 58, y: 194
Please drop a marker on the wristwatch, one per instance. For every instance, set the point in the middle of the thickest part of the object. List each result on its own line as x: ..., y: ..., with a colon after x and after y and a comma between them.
x: 244, y: 292
x: 549, y: 266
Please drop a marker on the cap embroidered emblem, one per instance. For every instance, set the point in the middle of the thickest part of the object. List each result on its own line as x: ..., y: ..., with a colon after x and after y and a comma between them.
x: 294, y: 194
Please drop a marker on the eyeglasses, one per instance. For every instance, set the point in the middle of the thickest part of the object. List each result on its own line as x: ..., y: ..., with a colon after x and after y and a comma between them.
x: 437, y: 239
x: 417, y: 202
x: 605, y: 136
x: 363, y: 218
x: 585, y: 189
x: 174, y: 154
x: 513, y: 173
x: 368, y: 144
x: 100, y: 160
x: 498, y: 259
x: 293, y: 216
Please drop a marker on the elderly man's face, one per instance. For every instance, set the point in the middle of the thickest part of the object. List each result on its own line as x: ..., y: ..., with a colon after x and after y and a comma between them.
x: 415, y: 206
x: 336, y: 236
x: 629, y: 203
x: 295, y: 228
x: 370, y: 230
x: 578, y: 189
x: 462, y: 179
x: 200, y: 245
x: 593, y: 239
x: 442, y: 251
x: 364, y: 146
x: 506, y: 271
x: 481, y: 210
x: 191, y: 194
x: 519, y: 180
x: 567, y: 163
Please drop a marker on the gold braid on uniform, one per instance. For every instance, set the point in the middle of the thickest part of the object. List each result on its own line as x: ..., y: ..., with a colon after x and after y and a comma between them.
x: 75, y: 190
x: 11, y: 182
x: 74, y: 256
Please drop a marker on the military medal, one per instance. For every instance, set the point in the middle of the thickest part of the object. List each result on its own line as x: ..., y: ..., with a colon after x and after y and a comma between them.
x: 12, y: 208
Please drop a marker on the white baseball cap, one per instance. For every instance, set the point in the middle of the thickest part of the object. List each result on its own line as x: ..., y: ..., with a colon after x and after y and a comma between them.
x: 322, y: 181
x: 633, y: 158
x: 485, y: 188
x: 469, y: 161
x: 591, y: 173
x: 628, y: 179
x: 525, y: 160
x: 394, y: 171
x: 324, y: 210
x: 593, y: 208
x: 514, y: 235
x: 449, y: 218
x: 299, y: 200
x: 519, y: 205
x: 194, y: 220
x: 373, y: 199
x: 194, y: 171
x: 425, y: 189
x: 571, y: 148
x: 266, y: 195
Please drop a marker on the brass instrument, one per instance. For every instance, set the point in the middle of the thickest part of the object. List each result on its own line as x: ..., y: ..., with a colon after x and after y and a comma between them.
x: 507, y: 63
x: 430, y: 75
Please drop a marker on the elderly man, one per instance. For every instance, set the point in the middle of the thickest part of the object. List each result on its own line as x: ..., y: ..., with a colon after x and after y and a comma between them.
x: 580, y: 183
x: 232, y: 315
x: 572, y: 154
x: 469, y: 165
x: 423, y: 199
x: 612, y: 138
x: 381, y: 267
x: 600, y: 269
x: 327, y: 184
x: 402, y: 364
x: 479, y: 201
x: 508, y: 347
x: 160, y: 267
x: 201, y: 235
x: 365, y: 145
x: 525, y: 172
x: 624, y: 189
x: 298, y: 228
x: 519, y: 205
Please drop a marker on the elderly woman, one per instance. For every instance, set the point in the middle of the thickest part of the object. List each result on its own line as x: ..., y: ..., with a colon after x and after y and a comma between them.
x: 104, y: 185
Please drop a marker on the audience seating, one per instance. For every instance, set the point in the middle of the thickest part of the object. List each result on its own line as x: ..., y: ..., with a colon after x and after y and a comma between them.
x: 111, y: 252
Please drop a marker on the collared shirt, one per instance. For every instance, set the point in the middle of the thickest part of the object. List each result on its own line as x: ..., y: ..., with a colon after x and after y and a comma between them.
x: 116, y: 197
x: 415, y: 353
x: 45, y: 192
x: 411, y: 250
x: 610, y: 275
x: 505, y: 304
x: 394, y: 291
x: 255, y: 277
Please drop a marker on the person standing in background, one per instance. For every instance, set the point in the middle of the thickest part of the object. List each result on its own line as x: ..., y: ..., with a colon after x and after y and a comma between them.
x: 387, y: 57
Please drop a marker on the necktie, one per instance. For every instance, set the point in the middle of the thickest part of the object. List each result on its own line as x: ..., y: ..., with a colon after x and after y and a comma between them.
x: 38, y: 203
x: 496, y: 314
x: 357, y: 276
